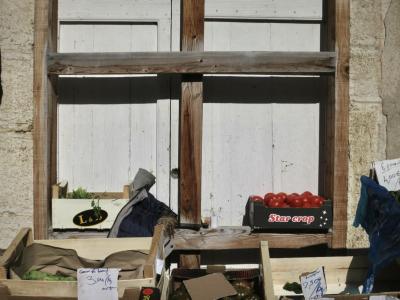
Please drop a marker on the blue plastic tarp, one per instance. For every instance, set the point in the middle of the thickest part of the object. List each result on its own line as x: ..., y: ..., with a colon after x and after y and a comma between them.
x: 379, y: 214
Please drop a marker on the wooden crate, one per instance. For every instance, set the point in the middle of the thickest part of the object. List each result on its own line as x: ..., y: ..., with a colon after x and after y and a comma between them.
x: 341, y: 272
x: 75, y: 213
x: 87, y: 248
x: 265, y: 290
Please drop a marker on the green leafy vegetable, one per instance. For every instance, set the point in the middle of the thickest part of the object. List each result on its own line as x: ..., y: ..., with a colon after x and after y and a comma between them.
x: 96, y: 207
x: 39, y: 275
x: 293, y: 287
x: 80, y: 193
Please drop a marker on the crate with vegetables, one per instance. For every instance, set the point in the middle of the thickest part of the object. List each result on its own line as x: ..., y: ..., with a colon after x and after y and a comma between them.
x: 283, y: 211
x: 80, y: 209
x: 48, y: 268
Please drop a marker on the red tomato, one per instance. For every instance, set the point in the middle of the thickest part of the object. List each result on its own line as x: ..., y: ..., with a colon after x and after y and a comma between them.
x: 275, y: 203
x: 307, y: 194
x: 282, y: 195
x: 293, y: 195
x: 296, y: 202
x: 304, y: 200
x: 307, y: 205
x: 290, y: 198
x: 256, y: 198
x: 284, y: 205
x: 314, y: 200
x: 269, y: 195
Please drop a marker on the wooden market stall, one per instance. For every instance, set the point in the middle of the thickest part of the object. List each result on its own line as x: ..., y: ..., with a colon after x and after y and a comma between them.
x: 331, y: 63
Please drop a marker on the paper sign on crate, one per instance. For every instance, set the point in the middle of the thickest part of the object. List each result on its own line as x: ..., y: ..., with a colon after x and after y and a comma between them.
x: 313, y: 284
x: 99, y: 284
x: 388, y: 173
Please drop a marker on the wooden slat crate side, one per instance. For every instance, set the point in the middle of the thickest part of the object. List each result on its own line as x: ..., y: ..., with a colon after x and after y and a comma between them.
x: 21, y: 240
x: 67, y: 289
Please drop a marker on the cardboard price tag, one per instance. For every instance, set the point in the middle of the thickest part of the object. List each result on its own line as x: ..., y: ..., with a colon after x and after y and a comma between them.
x: 313, y: 284
x: 99, y: 284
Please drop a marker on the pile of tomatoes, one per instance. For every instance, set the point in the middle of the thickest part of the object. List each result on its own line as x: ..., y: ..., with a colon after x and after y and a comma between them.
x: 304, y: 200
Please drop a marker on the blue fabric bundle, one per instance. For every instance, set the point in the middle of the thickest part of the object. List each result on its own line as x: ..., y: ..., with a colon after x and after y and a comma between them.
x: 379, y: 214
x: 139, y: 216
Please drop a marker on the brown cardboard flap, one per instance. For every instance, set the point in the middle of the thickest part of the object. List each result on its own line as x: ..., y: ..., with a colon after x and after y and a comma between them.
x: 209, y: 287
x: 55, y: 260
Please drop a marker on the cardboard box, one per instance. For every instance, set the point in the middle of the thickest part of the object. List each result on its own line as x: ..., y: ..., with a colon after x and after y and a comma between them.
x: 260, y: 217
x: 260, y: 277
x: 96, y: 249
x: 206, y: 284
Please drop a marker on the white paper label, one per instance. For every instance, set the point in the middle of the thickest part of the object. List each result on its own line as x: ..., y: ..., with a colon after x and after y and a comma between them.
x: 159, y: 265
x: 313, y: 284
x: 168, y: 247
x: 388, y: 173
x: 99, y: 284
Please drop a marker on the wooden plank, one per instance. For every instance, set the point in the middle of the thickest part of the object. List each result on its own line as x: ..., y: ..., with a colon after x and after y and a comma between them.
x: 190, y: 152
x: 341, y: 124
x: 191, y: 117
x: 94, y: 133
x: 267, y: 272
x: 100, y: 248
x: 303, y: 264
x: 44, y: 105
x: 336, y: 37
x: 191, y: 124
x: 55, y: 289
x: 189, y: 261
x: 269, y: 10
x: 221, y: 62
x: 157, y: 243
x: 241, y: 238
x: 295, y: 168
x: 240, y: 115
x: 21, y: 240
x: 129, y: 293
x: 327, y: 106
x: 123, y: 11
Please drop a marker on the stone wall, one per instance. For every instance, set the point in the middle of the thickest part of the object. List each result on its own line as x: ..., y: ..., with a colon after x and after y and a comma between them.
x: 390, y: 86
x: 374, y: 95
x: 16, y: 115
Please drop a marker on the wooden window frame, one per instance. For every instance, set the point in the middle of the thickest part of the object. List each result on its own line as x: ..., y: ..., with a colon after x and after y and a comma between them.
x: 332, y: 63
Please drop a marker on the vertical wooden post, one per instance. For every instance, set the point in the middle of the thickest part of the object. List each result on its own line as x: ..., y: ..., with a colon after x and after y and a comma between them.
x: 191, y: 115
x: 191, y: 124
x: 342, y: 17
x: 335, y: 114
x: 45, y: 107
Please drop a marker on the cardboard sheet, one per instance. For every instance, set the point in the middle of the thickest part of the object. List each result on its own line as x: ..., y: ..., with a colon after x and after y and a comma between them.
x: 209, y: 287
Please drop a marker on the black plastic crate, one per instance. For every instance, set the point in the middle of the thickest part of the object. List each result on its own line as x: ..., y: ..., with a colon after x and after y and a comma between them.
x: 260, y: 217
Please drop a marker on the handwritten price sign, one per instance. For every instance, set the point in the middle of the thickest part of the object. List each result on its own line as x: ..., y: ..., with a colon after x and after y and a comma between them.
x: 388, y: 173
x: 99, y: 284
x: 313, y: 284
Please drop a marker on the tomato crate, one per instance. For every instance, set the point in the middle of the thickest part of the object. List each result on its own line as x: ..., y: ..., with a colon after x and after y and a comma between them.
x: 260, y: 217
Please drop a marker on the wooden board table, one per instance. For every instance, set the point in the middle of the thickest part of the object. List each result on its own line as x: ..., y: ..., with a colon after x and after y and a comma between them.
x: 224, y: 238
